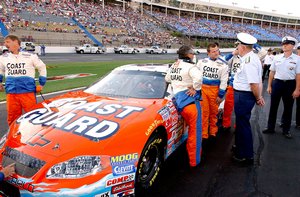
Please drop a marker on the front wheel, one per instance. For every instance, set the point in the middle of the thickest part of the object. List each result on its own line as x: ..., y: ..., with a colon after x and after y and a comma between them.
x: 150, y: 163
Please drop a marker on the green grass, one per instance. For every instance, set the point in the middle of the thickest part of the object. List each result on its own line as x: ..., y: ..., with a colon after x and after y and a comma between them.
x: 98, y: 68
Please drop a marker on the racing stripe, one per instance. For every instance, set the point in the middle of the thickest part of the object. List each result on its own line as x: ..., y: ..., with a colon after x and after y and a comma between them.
x: 198, y: 133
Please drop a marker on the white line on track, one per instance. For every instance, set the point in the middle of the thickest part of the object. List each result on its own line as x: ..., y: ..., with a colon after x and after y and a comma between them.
x: 58, y: 92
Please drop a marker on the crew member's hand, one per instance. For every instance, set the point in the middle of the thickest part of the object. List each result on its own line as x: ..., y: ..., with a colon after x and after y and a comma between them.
x: 218, y: 100
x: 296, y: 94
x: 260, y: 101
x: 191, y: 91
x: 9, y: 170
x: 1, y: 87
x: 38, y: 88
x: 269, y: 90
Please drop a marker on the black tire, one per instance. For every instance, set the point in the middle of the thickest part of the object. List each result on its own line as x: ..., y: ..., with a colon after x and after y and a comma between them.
x: 97, y: 52
x: 150, y: 163
x: 133, y: 52
x: 81, y: 52
x: 120, y: 52
x: 151, y: 52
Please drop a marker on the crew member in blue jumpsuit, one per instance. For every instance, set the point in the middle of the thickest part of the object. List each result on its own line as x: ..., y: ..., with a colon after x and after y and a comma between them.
x: 284, y: 82
x: 247, y: 87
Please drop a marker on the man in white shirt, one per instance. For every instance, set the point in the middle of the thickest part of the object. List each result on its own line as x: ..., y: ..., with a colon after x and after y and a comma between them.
x: 247, y: 91
x: 267, y: 63
x: 284, y: 83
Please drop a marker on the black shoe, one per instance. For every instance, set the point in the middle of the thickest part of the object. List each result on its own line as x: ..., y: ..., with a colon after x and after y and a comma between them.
x: 281, y: 125
x: 243, y: 161
x: 268, y: 131
x: 287, y: 135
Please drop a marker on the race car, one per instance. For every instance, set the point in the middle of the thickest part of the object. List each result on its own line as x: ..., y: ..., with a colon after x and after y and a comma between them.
x: 110, y: 139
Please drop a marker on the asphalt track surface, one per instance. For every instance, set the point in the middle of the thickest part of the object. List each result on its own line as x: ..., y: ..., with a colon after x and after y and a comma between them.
x: 275, y: 173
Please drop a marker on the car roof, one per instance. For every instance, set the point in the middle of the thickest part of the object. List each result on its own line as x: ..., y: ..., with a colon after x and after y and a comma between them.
x: 145, y: 67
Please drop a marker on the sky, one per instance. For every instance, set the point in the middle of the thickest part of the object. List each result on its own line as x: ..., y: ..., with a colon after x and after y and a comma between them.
x: 285, y: 7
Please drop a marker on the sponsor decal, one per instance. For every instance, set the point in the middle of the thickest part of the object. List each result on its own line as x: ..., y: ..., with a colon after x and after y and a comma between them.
x: 210, y: 72
x: 122, y: 187
x: 105, y: 194
x: 21, y: 184
x: 123, y: 164
x: 118, y: 180
x: 87, y: 126
x: 127, y: 193
x: 153, y: 126
x: 169, y: 115
x: 16, y: 69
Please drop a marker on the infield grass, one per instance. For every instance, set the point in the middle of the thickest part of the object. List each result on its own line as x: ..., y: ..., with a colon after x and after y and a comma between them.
x: 98, y: 68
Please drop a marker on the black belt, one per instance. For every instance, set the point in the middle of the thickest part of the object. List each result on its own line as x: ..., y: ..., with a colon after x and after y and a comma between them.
x: 285, y: 80
x: 267, y: 64
x: 242, y: 91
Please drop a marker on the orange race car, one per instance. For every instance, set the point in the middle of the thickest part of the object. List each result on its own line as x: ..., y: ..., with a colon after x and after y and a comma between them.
x: 110, y: 139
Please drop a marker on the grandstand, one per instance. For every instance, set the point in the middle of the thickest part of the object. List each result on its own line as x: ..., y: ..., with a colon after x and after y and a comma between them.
x: 141, y: 22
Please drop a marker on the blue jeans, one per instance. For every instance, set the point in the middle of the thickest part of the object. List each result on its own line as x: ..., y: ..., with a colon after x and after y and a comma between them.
x: 243, y: 104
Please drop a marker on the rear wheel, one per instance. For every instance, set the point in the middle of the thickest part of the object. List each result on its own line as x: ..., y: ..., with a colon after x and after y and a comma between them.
x: 81, y: 51
x: 150, y: 162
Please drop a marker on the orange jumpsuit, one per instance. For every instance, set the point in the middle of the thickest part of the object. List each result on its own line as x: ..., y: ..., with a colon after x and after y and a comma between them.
x: 183, y: 75
x: 20, y: 87
x: 234, y: 64
x: 215, y: 77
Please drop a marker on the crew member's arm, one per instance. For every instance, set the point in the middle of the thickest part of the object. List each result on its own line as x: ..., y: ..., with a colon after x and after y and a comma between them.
x: 2, y: 72
x: 41, y: 67
x: 271, y: 77
x: 223, y: 84
x: 296, y: 92
x: 196, y: 74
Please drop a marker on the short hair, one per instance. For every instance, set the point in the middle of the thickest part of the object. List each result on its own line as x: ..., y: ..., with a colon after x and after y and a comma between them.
x: 211, y: 45
x: 184, y: 50
x: 13, y: 38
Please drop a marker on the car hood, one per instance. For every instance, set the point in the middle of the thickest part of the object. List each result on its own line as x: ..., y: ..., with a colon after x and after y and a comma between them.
x: 77, y: 121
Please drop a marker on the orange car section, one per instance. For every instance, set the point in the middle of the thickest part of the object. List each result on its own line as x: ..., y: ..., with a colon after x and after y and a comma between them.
x: 90, y: 124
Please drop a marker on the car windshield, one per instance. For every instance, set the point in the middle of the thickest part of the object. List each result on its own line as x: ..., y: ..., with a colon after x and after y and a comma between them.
x: 128, y: 83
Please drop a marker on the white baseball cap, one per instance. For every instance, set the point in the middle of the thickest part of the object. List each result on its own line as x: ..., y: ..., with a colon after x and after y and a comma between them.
x: 246, y: 39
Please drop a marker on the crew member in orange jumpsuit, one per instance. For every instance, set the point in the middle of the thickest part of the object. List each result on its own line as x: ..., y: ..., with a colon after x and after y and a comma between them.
x: 19, y: 70
x: 215, y: 77
x: 185, y: 79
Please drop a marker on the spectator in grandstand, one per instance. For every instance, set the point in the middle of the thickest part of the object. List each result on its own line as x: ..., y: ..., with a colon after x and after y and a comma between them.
x: 267, y: 63
x: 19, y: 70
x: 284, y: 83
x: 247, y: 92
x: 215, y: 77
x: 185, y: 79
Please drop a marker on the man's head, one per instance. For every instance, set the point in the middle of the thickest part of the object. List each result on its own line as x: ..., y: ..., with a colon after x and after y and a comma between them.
x: 269, y: 51
x: 12, y: 43
x: 185, y: 52
x: 213, y: 51
x: 246, y: 42
x: 288, y: 43
x: 298, y: 49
